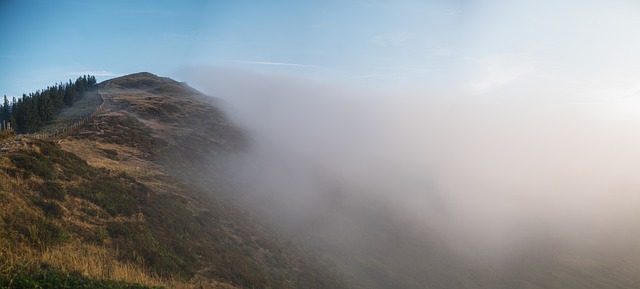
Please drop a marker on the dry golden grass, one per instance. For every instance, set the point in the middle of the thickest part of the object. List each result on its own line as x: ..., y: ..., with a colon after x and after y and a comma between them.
x: 129, y: 159
x: 89, y: 260
x: 12, y: 193
x: 5, y: 134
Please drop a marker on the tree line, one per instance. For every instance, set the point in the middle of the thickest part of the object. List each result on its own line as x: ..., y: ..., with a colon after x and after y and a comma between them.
x: 31, y: 112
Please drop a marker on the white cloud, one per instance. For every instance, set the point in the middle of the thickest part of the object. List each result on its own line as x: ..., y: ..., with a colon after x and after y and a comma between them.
x: 94, y: 73
x: 398, y: 38
x: 367, y: 75
x: 274, y: 63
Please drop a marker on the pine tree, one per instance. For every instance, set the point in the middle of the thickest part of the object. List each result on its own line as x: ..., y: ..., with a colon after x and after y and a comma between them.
x: 58, y: 97
x: 45, y: 107
x: 18, y: 112
x: 31, y: 112
x: 6, y: 109
x: 4, y: 113
x: 80, y: 87
x: 69, y: 93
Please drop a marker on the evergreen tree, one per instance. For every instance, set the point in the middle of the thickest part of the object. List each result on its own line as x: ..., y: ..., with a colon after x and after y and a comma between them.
x: 6, y: 109
x: 18, y: 113
x: 69, y: 94
x: 12, y: 122
x: 4, y: 113
x: 31, y: 112
x: 45, y: 107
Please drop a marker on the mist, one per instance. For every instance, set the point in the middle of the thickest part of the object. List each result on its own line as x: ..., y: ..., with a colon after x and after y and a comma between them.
x: 491, y: 179
x: 500, y: 151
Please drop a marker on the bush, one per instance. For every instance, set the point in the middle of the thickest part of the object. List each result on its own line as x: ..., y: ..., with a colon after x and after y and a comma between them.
x: 71, y: 164
x: 34, y: 163
x: 17, y: 173
x: 50, y: 209
x: 52, y: 190
x: 110, y: 194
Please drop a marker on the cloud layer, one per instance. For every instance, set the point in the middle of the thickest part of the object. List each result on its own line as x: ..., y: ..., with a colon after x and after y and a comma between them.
x: 495, y: 174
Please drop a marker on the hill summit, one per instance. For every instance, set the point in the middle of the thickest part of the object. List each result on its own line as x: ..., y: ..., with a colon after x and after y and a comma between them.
x: 113, y: 199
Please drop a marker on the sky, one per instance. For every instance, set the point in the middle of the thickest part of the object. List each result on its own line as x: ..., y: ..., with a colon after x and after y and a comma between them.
x: 340, y: 39
x: 575, y: 51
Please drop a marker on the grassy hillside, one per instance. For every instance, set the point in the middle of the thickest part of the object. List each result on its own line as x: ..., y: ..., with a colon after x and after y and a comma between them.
x: 106, y: 201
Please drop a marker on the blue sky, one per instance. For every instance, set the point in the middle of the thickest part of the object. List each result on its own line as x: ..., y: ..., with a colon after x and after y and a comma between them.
x: 581, y: 50
x: 49, y: 41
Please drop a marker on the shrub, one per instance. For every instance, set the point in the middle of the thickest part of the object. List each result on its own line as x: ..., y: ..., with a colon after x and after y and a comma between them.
x: 17, y: 173
x: 71, y: 164
x: 34, y: 163
x: 50, y: 209
x: 110, y: 194
x: 52, y: 190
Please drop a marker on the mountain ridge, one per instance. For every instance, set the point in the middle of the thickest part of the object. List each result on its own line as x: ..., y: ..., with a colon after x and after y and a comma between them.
x: 114, y: 192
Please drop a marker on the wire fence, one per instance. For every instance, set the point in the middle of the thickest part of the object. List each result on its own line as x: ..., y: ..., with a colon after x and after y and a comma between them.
x: 72, y: 127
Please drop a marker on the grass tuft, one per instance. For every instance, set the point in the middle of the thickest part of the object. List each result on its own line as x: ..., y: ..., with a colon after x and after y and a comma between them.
x: 50, y: 209
x: 57, y: 279
x: 35, y: 230
x: 52, y: 190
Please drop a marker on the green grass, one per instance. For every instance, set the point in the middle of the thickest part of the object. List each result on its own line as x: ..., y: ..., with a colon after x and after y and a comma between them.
x: 44, y: 279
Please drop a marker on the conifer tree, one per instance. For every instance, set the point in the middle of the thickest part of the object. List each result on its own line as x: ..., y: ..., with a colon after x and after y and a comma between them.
x: 45, y: 107
x: 6, y: 109
x: 33, y: 111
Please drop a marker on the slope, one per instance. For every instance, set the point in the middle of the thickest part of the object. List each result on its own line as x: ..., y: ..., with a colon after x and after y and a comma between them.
x: 110, y: 200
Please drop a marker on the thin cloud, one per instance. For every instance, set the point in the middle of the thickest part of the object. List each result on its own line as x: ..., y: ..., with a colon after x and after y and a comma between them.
x: 398, y: 38
x: 497, y: 72
x: 94, y: 73
x: 367, y: 75
x: 274, y: 63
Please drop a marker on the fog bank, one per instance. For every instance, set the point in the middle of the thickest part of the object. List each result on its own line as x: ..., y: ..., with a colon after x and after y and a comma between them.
x: 490, y: 176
